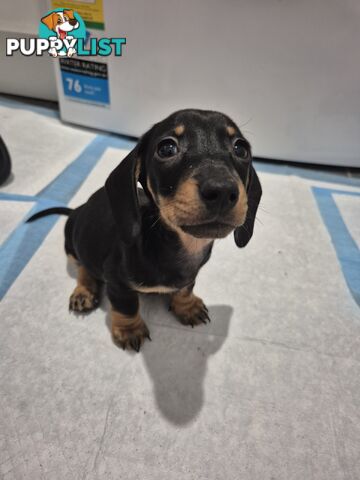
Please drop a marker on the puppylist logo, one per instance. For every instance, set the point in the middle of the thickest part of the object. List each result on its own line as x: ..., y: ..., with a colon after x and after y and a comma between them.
x: 62, y: 32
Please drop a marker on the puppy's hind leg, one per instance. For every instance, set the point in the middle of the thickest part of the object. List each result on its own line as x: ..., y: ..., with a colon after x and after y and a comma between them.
x: 85, y: 297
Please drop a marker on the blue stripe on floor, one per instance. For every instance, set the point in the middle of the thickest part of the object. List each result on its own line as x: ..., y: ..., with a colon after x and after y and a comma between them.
x: 21, y: 105
x: 14, y: 197
x: 24, y: 241
x: 346, y: 249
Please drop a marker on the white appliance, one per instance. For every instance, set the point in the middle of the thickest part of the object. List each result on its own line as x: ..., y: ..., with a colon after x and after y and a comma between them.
x: 287, y: 71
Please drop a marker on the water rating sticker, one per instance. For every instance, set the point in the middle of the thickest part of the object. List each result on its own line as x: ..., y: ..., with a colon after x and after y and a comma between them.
x: 85, y: 80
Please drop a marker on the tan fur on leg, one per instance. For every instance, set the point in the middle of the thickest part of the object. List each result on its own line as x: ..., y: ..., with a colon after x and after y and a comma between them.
x: 85, y: 296
x: 128, y: 331
x: 189, y: 308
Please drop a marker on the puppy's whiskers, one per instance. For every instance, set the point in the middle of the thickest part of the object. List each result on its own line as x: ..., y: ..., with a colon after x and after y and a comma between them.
x: 156, y: 221
x: 246, y: 123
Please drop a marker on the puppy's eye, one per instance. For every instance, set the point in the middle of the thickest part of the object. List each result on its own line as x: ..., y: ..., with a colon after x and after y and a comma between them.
x: 59, y: 20
x: 241, y: 149
x: 167, y: 148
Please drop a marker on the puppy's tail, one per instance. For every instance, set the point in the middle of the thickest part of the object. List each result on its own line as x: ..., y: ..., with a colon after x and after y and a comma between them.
x: 50, y: 211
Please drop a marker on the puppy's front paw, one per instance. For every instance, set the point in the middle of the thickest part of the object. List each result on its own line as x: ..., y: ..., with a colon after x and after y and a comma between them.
x: 83, y: 300
x: 53, y: 52
x: 131, y: 336
x: 71, y: 52
x: 189, y: 309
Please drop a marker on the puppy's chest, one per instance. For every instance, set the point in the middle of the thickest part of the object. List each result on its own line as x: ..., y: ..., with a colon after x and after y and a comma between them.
x: 166, y: 274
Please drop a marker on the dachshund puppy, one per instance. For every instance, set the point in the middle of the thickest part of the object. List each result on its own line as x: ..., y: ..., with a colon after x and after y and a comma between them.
x: 198, y: 184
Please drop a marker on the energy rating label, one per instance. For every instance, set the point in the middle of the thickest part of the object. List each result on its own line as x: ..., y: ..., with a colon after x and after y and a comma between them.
x: 85, y: 80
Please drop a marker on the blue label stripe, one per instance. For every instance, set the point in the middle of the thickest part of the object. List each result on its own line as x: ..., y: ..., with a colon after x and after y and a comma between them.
x: 23, y: 242
x: 346, y: 249
x: 86, y: 88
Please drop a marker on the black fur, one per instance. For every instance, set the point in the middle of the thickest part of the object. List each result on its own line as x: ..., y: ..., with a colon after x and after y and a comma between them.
x: 50, y: 211
x: 5, y: 162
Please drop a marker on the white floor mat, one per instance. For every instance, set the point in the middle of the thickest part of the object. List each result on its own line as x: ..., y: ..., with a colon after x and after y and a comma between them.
x: 269, y: 390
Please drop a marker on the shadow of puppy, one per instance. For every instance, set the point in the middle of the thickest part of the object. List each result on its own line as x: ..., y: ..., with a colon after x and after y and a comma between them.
x: 9, y: 180
x: 177, y: 357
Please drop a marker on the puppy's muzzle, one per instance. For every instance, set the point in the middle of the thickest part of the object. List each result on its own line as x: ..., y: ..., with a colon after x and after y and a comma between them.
x: 219, y: 195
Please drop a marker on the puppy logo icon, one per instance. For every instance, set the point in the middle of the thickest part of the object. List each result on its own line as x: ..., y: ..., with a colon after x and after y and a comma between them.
x: 62, y: 33
x: 62, y: 27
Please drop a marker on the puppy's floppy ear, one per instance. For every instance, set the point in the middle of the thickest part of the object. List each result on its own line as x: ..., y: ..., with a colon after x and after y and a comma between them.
x: 50, y: 20
x: 121, y: 188
x: 69, y: 12
x: 243, y: 234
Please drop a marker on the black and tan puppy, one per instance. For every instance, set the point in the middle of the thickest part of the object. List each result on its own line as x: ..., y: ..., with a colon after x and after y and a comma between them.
x: 199, y: 184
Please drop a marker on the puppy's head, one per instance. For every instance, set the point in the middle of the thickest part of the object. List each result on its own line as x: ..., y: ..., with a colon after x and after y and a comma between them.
x: 61, y: 22
x: 196, y: 167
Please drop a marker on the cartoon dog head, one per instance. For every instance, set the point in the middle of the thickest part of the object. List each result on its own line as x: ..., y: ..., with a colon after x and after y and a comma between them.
x: 61, y: 22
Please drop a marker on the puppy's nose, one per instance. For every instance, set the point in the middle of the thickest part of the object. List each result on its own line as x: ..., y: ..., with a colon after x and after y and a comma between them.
x: 219, y: 194
x: 73, y: 22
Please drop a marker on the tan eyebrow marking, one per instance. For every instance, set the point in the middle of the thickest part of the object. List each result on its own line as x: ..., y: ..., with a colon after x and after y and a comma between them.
x: 179, y: 130
x: 230, y: 130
